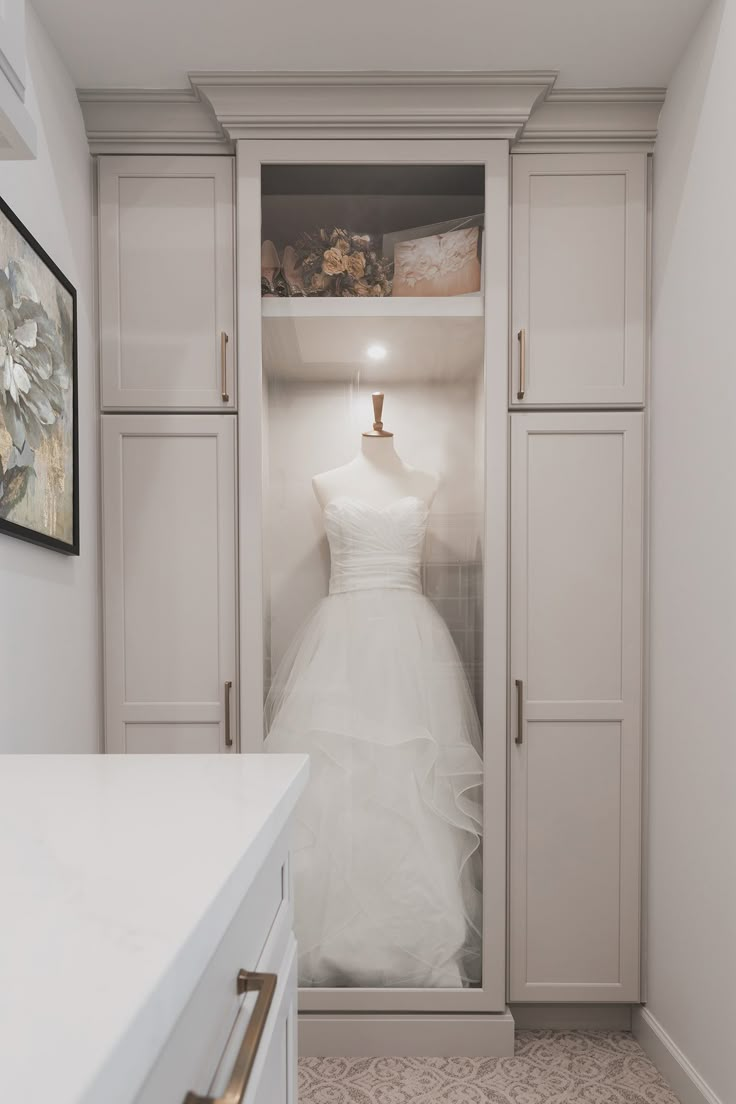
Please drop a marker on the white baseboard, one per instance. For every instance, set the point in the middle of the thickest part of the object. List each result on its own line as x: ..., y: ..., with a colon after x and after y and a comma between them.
x: 684, y: 1079
x: 383, y: 1035
x: 572, y: 1017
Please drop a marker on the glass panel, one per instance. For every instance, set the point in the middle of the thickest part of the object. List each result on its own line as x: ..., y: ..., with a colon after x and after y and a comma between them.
x: 374, y: 521
x: 372, y: 230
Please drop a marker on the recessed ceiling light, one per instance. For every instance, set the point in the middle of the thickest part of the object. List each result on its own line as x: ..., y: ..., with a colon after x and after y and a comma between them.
x: 376, y: 352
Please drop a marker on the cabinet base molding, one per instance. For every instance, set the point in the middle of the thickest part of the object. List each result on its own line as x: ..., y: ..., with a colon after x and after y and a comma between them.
x: 686, y: 1082
x: 486, y: 1035
x: 572, y: 1017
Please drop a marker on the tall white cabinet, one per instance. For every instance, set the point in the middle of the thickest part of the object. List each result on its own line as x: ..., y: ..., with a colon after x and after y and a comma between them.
x: 169, y: 478
x: 576, y: 663
x: 578, y: 344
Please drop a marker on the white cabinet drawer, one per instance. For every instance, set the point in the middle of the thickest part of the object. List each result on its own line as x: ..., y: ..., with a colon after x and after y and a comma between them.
x: 191, y: 1056
x: 272, y: 1078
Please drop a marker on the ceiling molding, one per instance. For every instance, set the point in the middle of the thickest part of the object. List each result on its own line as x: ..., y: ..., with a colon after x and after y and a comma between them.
x: 372, y: 78
x: 373, y: 105
x: 573, y: 118
x: 219, y: 108
x: 146, y: 120
x: 607, y: 95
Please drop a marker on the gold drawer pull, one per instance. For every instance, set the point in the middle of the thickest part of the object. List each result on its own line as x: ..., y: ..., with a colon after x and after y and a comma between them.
x: 265, y: 986
x: 521, y: 337
x: 223, y: 366
x: 228, y: 737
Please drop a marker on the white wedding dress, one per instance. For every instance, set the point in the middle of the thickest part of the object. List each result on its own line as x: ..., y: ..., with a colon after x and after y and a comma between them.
x: 386, y: 861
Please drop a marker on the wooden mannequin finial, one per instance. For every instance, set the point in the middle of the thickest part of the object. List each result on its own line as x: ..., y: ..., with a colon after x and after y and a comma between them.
x: 378, y: 430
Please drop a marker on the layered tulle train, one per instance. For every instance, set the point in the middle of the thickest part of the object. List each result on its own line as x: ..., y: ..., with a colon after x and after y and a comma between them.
x: 387, y: 854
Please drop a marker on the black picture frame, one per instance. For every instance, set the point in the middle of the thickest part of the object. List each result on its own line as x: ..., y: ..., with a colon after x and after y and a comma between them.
x: 11, y: 528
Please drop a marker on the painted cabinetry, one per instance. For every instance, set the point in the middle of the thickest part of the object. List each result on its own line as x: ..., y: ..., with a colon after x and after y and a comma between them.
x: 573, y: 498
x: 167, y: 345
x: 167, y: 283
x: 169, y: 547
x: 579, y: 279
x: 236, y: 1040
x: 576, y: 662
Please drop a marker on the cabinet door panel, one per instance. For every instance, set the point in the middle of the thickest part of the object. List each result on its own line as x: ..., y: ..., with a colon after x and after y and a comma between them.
x: 166, y: 281
x: 574, y: 566
x: 169, y: 581
x: 159, y: 739
x: 170, y: 555
x: 579, y: 260
x: 573, y: 773
x: 576, y: 629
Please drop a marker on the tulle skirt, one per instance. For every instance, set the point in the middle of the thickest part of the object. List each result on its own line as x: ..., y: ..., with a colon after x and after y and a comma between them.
x: 387, y: 853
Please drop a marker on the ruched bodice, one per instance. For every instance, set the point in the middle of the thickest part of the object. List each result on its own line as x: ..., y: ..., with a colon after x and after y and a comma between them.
x: 375, y: 547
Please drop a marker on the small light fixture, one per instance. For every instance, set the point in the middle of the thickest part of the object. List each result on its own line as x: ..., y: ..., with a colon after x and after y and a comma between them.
x: 376, y: 352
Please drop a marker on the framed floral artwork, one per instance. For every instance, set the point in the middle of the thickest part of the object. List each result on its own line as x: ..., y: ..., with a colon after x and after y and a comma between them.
x: 39, y: 448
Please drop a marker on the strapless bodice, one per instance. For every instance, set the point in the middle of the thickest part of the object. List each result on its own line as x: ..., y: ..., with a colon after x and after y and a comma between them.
x: 375, y: 547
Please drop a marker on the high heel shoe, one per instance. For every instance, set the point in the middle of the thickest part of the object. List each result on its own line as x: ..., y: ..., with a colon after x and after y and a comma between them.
x: 269, y: 268
x: 292, y: 274
x: 280, y: 286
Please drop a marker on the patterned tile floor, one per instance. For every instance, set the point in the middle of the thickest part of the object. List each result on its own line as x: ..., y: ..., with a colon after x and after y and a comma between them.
x: 549, y: 1067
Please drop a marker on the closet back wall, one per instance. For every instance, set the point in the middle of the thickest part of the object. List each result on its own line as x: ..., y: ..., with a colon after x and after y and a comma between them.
x: 49, y: 665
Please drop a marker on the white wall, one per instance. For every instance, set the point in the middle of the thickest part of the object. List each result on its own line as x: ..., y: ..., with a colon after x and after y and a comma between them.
x: 692, y: 857
x: 49, y: 606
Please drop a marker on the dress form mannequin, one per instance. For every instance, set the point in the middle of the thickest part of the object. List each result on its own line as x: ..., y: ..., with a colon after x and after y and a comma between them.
x: 377, y: 475
x: 386, y: 855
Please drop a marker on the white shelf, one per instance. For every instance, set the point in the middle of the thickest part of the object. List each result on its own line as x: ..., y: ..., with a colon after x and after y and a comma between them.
x: 320, y: 340
x: 459, y: 306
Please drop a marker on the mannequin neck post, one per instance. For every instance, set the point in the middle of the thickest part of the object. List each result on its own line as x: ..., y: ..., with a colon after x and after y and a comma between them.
x: 380, y: 452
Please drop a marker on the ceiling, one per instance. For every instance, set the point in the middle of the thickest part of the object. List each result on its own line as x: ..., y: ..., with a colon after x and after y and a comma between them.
x: 155, y: 43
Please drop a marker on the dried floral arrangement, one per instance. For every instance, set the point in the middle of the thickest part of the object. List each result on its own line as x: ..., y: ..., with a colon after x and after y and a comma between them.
x: 338, y: 262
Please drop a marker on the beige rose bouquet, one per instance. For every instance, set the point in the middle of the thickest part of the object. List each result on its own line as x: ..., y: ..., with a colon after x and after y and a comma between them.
x: 338, y: 262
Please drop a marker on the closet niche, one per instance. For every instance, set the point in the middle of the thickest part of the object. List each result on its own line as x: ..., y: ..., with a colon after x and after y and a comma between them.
x: 373, y: 413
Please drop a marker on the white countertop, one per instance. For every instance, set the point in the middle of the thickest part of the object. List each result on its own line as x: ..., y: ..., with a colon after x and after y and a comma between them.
x: 119, y: 875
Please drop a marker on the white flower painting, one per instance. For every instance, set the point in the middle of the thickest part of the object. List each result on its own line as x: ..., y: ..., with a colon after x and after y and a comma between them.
x: 38, y: 438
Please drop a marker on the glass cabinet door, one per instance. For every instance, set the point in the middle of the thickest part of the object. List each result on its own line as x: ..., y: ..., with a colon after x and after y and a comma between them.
x: 373, y: 411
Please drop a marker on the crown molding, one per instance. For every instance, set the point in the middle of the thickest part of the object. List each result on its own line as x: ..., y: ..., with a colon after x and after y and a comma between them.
x: 373, y: 105
x: 219, y: 108
x: 150, y: 120
x: 583, y: 118
x: 374, y: 78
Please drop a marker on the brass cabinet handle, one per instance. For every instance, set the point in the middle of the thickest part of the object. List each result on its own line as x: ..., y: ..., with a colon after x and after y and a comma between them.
x: 228, y: 737
x: 265, y: 986
x: 223, y: 365
x: 522, y: 364
x: 519, y: 711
